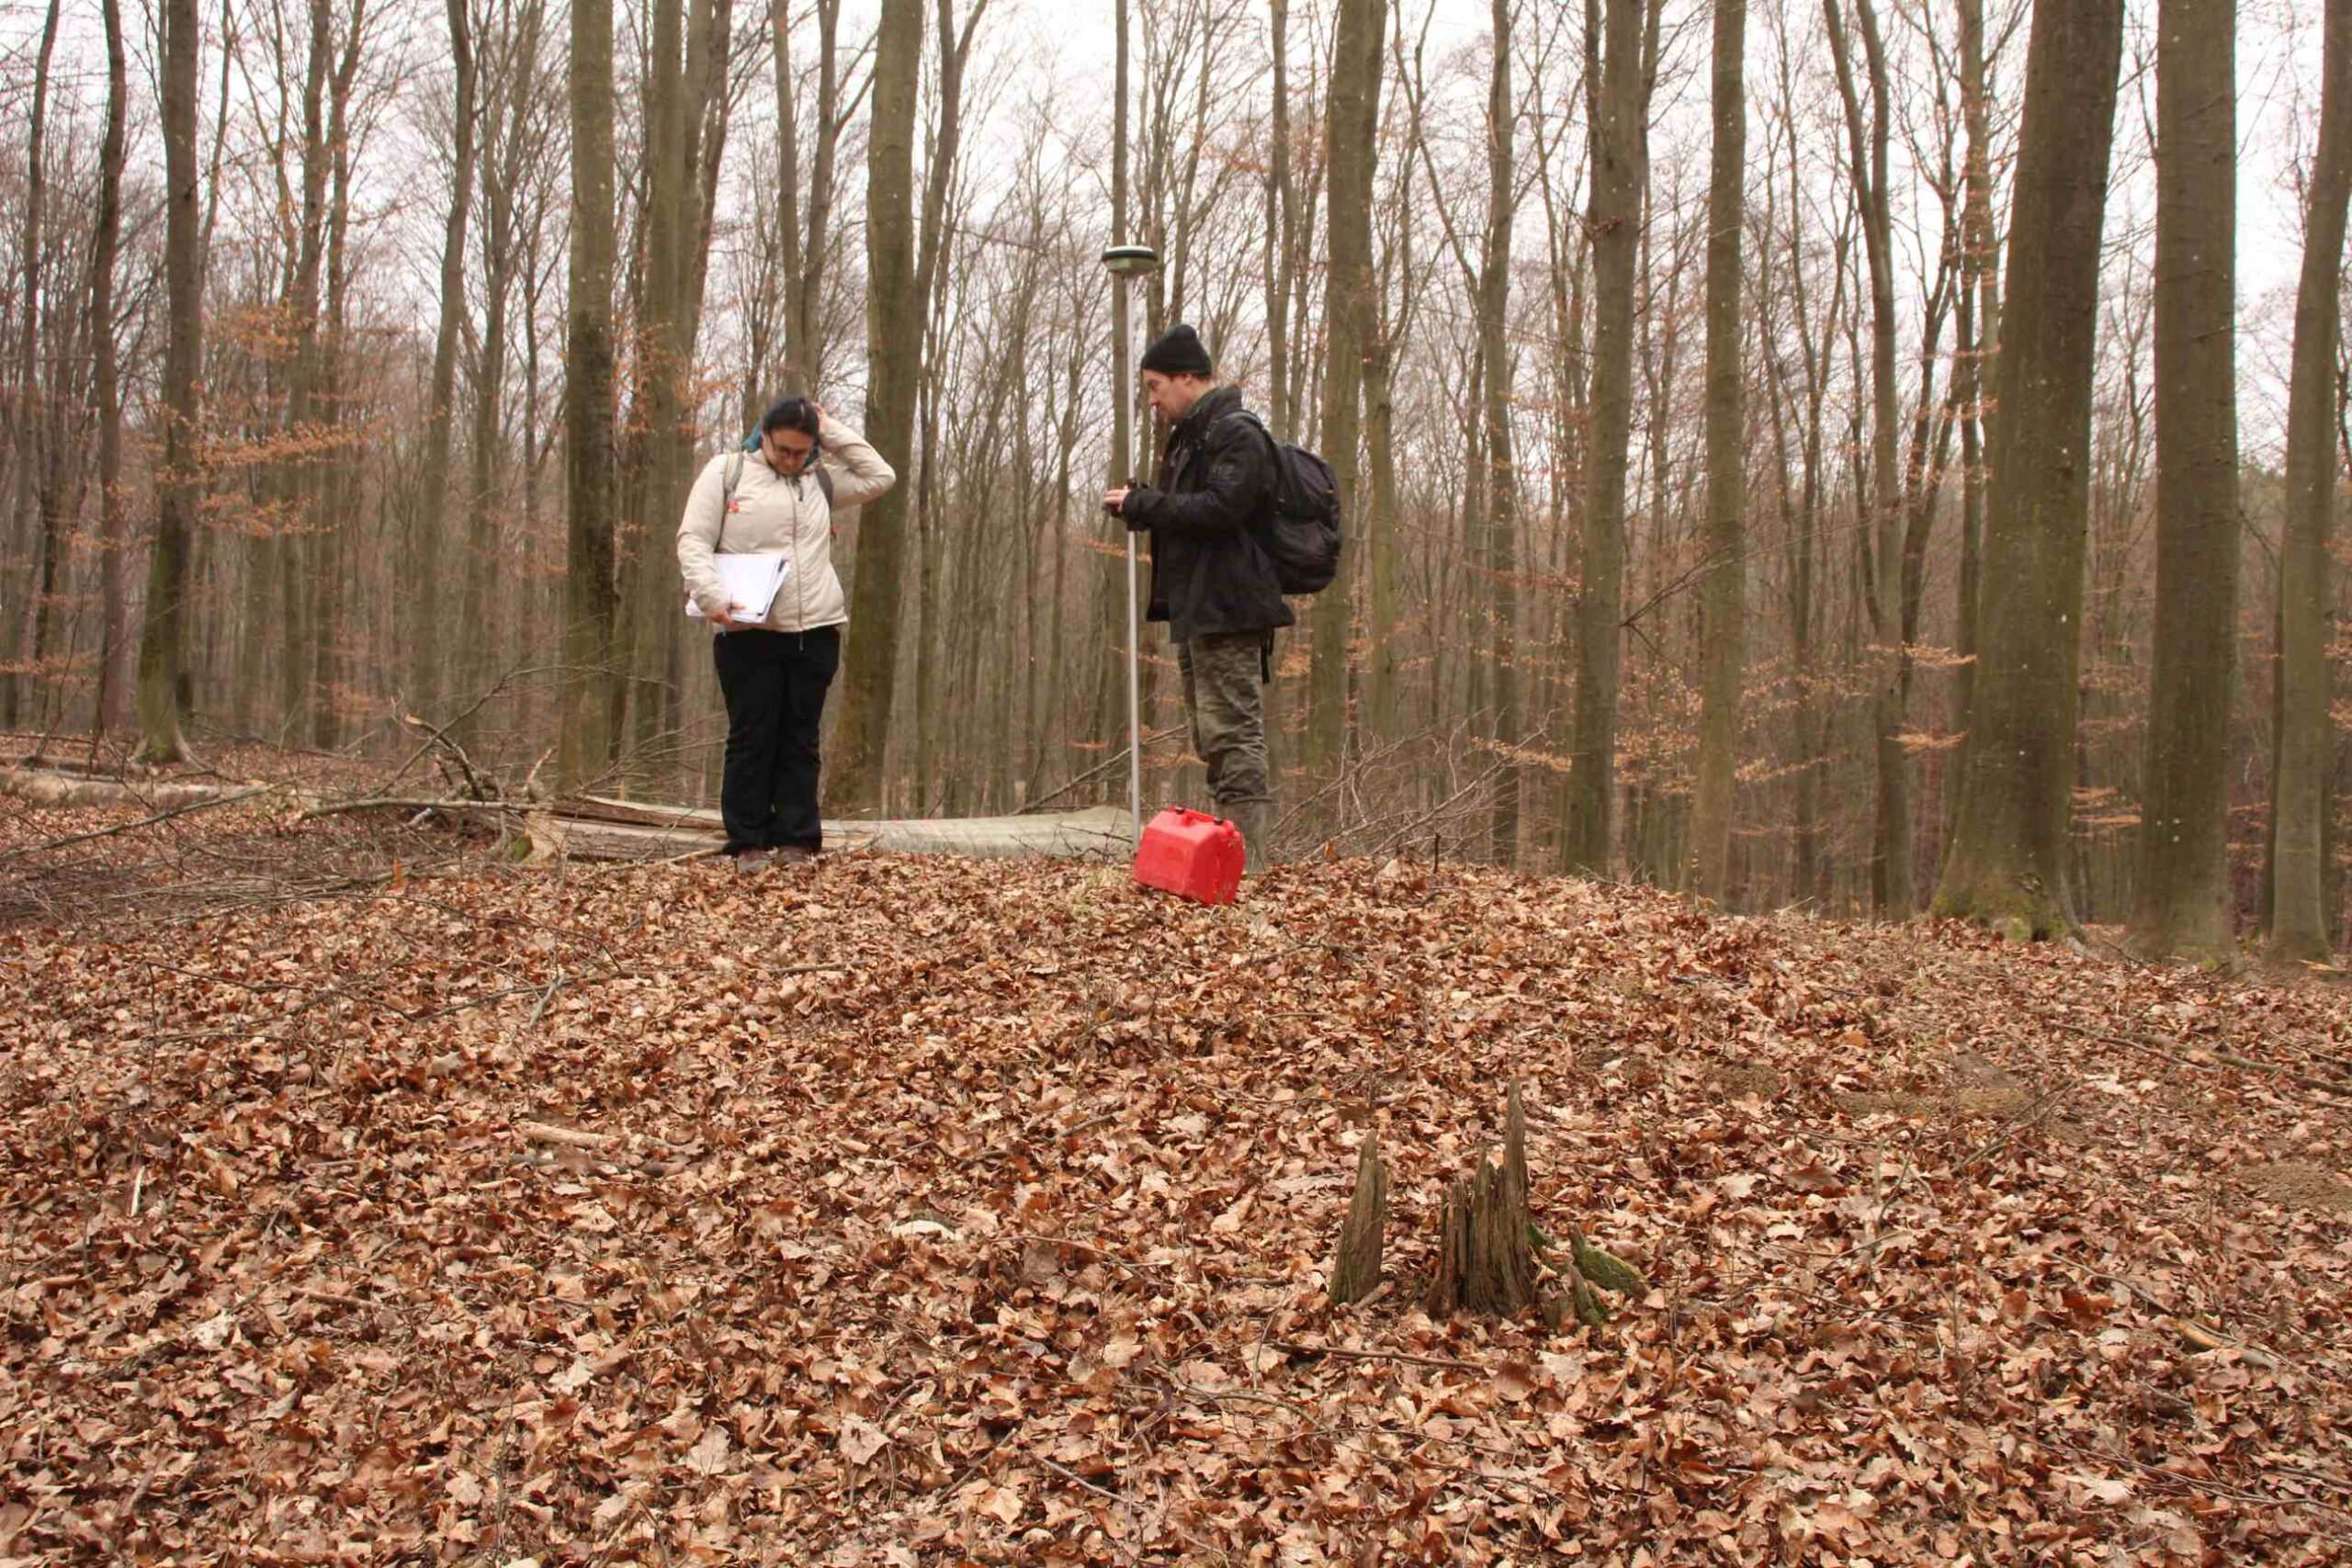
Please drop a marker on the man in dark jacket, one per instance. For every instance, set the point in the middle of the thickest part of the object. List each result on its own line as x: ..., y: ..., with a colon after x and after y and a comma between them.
x: 1211, y: 581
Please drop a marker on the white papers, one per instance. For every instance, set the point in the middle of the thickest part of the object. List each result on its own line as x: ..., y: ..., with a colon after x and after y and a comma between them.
x: 750, y: 579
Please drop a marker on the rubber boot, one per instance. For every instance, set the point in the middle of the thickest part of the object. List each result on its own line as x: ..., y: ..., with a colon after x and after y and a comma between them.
x: 1255, y: 820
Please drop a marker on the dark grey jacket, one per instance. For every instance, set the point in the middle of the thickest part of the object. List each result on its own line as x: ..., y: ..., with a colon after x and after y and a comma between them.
x: 1209, y: 575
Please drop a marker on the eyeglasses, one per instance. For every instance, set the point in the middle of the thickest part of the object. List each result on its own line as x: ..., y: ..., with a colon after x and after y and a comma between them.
x: 785, y: 449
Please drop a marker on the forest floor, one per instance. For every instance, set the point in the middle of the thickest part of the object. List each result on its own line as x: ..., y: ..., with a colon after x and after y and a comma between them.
x: 363, y: 1200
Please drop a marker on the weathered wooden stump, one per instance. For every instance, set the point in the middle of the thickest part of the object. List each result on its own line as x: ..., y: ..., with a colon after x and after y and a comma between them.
x: 1485, y: 1261
x: 1355, y: 1269
x: 1490, y: 1249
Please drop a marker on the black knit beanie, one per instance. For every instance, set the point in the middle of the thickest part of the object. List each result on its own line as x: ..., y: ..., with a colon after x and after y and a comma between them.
x: 1178, y: 351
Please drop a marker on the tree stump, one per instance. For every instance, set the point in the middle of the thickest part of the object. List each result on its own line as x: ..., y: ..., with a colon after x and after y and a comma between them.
x: 1485, y: 1260
x: 1355, y: 1269
x: 1489, y: 1245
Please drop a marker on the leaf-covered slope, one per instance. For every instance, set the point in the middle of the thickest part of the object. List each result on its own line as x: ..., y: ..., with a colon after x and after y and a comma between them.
x: 925, y: 1211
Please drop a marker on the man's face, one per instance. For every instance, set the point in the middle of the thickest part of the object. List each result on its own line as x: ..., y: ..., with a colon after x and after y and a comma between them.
x: 786, y: 450
x: 1173, y: 397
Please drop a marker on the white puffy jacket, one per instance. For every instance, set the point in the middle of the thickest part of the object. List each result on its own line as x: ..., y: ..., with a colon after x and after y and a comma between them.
x: 772, y: 513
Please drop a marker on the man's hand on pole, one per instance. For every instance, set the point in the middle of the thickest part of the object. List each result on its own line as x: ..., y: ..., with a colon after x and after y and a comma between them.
x: 1115, y: 502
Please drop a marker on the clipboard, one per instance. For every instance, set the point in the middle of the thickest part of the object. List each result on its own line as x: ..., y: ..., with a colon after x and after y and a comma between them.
x: 750, y: 579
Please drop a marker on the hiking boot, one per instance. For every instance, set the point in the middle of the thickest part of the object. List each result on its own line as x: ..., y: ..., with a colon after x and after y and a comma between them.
x: 750, y: 861
x: 1255, y: 818
x: 793, y: 854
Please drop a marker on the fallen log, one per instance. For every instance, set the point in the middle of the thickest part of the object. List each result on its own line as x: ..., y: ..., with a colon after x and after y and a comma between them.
x: 44, y: 786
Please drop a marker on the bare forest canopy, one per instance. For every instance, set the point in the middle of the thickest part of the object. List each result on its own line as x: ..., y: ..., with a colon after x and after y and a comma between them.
x: 1743, y: 413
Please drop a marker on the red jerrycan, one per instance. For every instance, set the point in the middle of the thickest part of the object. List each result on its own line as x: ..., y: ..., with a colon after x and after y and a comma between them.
x: 1191, y: 854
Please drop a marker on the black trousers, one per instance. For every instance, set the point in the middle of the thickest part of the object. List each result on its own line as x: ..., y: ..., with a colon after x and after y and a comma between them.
x: 774, y: 683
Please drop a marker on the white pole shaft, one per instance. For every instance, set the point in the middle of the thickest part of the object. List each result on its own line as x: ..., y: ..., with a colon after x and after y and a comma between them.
x: 1135, y: 652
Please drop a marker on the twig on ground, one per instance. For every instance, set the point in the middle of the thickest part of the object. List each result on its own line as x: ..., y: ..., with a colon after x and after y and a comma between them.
x: 1076, y: 1480
x: 540, y: 1007
x: 408, y: 803
x: 2219, y: 1059
x: 1297, y: 1348
x: 193, y: 805
x: 569, y: 1137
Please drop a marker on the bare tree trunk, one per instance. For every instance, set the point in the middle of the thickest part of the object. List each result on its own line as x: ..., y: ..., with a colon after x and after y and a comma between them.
x: 1979, y: 318
x: 1281, y: 261
x: 804, y: 241
x: 1882, y: 510
x: 2184, y: 904
x: 591, y: 600
x: 1618, y: 80
x: 298, y: 474
x: 430, y: 550
x: 105, y: 391
x: 336, y: 490
x: 1502, y: 475
x: 1722, y: 610
x: 2306, y: 735
x: 663, y: 365
x: 180, y: 483
x: 29, y: 420
x: 1349, y: 321
x: 2008, y: 863
x: 34, y: 515
x: 1380, y: 718
x: 508, y: 91
x: 894, y: 327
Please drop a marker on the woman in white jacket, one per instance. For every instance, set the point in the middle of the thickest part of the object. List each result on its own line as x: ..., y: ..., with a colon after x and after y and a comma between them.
x: 775, y: 672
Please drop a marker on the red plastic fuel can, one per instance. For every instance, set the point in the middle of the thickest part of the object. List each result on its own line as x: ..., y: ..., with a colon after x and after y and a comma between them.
x: 1191, y: 853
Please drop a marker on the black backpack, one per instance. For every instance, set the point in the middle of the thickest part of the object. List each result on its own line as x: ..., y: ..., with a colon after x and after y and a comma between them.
x: 1300, y: 531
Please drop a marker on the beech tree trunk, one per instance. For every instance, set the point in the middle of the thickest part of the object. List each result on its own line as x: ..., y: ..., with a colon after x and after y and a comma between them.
x: 1350, y: 318
x: 1882, y: 510
x: 2183, y: 904
x: 894, y: 325
x: 1280, y: 226
x: 28, y: 517
x: 804, y: 241
x: 1722, y: 610
x: 426, y: 628
x: 1978, y: 326
x: 180, y: 483
x: 335, y: 486
x: 591, y: 601
x: 2305, y: 749
x: 104, y: 390
x: 2009, y: 863
x: 1502, y: 477
x: 1378, y: 530
x: 297, y: 474
x: 1619, y: 77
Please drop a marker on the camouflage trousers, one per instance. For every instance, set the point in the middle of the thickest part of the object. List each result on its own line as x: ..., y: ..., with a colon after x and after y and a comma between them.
x: 1227, y: 708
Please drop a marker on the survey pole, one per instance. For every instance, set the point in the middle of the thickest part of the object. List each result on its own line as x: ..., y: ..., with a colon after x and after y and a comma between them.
x: 1128, y: 262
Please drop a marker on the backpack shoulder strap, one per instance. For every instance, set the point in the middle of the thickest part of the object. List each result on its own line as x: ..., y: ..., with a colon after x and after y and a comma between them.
x: 825, y: 484
x: 1250, y: 417
x: 726, y: 497
x: 1273, y: 445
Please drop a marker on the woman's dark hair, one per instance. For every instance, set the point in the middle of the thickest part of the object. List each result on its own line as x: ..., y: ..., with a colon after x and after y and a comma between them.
x: 790, y: 413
